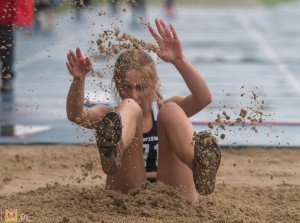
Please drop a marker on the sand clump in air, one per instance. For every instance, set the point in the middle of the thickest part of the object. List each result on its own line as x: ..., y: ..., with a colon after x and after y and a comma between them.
x: 247, y: 115
x: 110, y: 43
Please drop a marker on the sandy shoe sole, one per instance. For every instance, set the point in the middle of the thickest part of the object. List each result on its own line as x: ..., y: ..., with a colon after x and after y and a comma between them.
x: 109, y: 142
x: 207, y: 159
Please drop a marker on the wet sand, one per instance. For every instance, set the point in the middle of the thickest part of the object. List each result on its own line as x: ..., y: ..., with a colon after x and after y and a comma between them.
x: 64, y: 183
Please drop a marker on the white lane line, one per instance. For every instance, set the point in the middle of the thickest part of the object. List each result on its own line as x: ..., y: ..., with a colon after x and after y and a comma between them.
x: 44, y: 53
x: 22, y: 130
x: 274, y: 57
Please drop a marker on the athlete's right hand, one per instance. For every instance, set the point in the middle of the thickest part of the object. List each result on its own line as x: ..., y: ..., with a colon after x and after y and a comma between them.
x: 77, y: 64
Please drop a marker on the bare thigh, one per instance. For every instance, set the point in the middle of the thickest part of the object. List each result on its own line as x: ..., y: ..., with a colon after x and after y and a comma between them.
x: 175, y: 133
x: 132, y: 172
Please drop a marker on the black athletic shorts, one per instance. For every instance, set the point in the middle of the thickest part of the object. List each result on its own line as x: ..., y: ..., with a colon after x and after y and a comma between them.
x: 151, y: 180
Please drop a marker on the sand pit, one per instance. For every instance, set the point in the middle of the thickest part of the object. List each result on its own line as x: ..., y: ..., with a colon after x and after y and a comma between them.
x: 64, y: 183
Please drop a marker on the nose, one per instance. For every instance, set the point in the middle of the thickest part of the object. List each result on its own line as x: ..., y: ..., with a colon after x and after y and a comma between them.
x: 134, y: 94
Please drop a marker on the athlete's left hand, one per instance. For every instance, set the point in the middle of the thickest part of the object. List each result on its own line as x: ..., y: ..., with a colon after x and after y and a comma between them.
x: 170, y: 48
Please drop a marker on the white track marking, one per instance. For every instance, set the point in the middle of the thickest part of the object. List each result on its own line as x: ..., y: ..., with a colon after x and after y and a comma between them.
x: 274, y: 57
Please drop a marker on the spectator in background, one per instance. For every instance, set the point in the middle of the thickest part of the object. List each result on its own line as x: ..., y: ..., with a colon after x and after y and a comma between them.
x: 79, y: 5
x: 114, y: 6
x: 13, y: 13
x: 169, y: 8
x: 139, y: 14
x: 45, y: 14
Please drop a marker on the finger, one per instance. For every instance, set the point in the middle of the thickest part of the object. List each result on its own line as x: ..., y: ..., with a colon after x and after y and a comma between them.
x: 153, y: 47
x: 69, y: 67
x: 78, y: 53
x: 70, y: 59
x: 73, y: 56
x: 88, y: 63
x: 160, y: 28
x: 167, y: 31
x: 153, y: 33
x: 157, y: 50
x: 173, y: 32
x: 159, y: 53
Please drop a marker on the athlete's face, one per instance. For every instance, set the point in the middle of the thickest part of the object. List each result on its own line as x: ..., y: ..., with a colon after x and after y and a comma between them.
x: 136, y: 88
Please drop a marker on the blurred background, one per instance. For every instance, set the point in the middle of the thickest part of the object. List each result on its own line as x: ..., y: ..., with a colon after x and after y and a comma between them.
x: 247, y: 50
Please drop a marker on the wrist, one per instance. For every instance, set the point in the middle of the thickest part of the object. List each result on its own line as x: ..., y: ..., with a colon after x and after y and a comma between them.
x: 179, y: 61
x: 78, y: 79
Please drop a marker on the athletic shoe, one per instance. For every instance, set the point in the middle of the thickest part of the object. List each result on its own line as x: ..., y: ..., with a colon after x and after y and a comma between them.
x: 109, y: 142
x: 207, y: 159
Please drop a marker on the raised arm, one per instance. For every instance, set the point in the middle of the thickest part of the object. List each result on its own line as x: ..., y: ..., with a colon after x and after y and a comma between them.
x: 78, y: 67
x: 170, y: 50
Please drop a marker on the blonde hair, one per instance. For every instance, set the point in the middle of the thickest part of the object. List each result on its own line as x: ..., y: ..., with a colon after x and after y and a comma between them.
x: 136, y: 59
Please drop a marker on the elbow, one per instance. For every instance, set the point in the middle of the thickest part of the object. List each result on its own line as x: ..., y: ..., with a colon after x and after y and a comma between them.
x: 205, y: 101
x: 77, y: 119
x: 74, y: 114
x: 208, y: 100
x: 72, y: 117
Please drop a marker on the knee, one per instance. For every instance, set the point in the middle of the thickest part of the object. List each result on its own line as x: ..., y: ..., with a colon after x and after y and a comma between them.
x: 169, y: 111
x: 133, y: 107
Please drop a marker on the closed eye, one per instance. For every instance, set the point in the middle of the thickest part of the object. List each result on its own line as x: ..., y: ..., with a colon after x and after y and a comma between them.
x: 140, y: 87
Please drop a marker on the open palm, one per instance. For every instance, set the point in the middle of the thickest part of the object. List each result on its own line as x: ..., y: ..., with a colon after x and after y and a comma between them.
x: 78, y: 65
x: 170, y: 47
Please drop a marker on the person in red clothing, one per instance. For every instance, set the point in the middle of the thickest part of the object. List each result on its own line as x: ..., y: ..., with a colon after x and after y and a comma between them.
x: 13, y: 13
